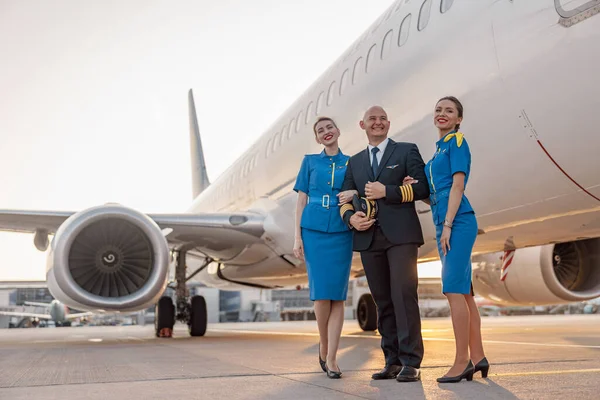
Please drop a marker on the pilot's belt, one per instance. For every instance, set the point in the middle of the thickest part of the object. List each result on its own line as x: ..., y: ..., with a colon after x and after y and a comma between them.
x: 325, y: 201
x: 436, y: 197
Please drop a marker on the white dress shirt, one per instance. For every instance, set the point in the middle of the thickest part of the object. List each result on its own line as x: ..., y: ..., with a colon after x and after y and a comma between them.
x: 379, y: 155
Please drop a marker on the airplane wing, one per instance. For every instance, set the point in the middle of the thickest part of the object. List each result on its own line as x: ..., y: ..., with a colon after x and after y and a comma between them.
x: 30, y: 221
x: 25, y: 314
x: 33, y: 303
x: 219, y: 235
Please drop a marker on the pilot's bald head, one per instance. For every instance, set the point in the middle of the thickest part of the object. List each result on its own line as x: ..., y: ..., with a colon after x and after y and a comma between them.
x: 374, y: 110
x: 375, y: 123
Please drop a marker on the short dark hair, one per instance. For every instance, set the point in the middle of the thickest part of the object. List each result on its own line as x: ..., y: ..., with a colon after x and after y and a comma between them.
x: 458, y: 104
x: 322, y: 119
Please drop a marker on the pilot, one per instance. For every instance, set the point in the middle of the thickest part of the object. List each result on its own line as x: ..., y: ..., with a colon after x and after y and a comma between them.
x: 323, y: 239
x: 456, y: 230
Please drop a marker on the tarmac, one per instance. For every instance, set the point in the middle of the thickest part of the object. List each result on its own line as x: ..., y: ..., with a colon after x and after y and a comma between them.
x: 532, y: 357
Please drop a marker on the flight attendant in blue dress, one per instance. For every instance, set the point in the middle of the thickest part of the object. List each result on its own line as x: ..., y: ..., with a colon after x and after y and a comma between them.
x: 323, y: 239
x: 456, y: 230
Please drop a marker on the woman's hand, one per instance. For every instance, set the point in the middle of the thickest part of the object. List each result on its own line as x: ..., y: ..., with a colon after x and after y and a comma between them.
x: 445, y: 240
x: 346, y: 196
x: 409, y: 180
x: 299, y: 249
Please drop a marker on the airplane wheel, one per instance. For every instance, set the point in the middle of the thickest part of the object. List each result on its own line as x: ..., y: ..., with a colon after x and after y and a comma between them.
x: 366, y: 313
x: 198, y: 316
x: 164, y: 317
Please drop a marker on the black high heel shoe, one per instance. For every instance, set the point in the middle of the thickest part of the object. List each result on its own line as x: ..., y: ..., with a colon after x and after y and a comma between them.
x: 467, y: 374
x: 483, y: 366
x: 323, y: 363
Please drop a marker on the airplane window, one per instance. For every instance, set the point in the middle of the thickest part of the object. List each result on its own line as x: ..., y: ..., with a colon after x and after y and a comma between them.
x: 343, y: 82
x: 291, y: 130
x: 445, y: 5
x: 298, y: 121
x: 320, y: 102
x: 357, y: 68
x: 268, y: 148
x: 404, y: 30
x: 424, y: 15
x: 371, y: 58
x: 276, y: 141
x: 309, y: 112
x: 386, y: 47
x: 331, y: 93
x: 282, y: 137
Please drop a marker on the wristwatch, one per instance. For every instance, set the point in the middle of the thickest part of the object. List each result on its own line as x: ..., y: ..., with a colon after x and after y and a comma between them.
x: 447, y: 223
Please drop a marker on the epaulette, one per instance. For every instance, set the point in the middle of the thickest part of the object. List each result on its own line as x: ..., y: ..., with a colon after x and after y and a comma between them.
x: 459, y: 138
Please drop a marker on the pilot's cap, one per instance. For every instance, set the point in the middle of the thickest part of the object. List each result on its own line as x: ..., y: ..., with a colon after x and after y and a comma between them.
x: 369, y: 207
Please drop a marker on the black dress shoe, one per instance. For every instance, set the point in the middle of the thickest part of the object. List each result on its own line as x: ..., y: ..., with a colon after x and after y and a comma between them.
x: 409, y: 374
x: 323, y: 363
x: 483, y: 366
x: 467, y: 374
x: 333, y: 374
x: 389, y: 372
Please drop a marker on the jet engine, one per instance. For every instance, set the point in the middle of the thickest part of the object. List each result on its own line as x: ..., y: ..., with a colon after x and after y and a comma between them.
x: 108, y: 258
x: 549, y: 274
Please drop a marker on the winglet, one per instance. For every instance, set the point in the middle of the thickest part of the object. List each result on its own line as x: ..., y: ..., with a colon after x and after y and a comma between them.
x: 199, y: 177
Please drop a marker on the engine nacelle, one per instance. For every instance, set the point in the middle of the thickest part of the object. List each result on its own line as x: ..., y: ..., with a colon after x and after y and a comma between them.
x: 108, y: 258
x: 550, y: 274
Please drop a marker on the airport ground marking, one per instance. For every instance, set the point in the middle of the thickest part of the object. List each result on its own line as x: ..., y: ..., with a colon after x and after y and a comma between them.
x: 313, y: 334
x: 559, y: 372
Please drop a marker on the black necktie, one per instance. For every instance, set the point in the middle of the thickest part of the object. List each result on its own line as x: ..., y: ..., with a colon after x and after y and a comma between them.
x: 375, y: 164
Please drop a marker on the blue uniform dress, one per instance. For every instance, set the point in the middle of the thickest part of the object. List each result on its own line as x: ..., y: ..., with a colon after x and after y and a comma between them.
x: 327, y: 239
x: 452, y: 155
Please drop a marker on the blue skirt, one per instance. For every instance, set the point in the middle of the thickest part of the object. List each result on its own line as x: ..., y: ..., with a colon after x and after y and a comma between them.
x: 328, y: 257
x: 456, y: 265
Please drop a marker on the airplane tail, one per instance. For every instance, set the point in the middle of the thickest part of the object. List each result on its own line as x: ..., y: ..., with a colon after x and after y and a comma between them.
x: 199, y: 177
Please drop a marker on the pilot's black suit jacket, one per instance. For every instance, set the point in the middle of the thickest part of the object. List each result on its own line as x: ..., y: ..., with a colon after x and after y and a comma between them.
x: 396, y: 215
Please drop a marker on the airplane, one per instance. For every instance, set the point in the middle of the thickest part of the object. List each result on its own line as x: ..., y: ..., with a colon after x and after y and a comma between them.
x: 526, y: 72
x: 57, y: 312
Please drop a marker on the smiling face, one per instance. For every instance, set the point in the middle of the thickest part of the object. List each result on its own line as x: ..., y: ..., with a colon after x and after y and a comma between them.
x: 448, y: 115
x: 375, y: 123
x: 326, y: 132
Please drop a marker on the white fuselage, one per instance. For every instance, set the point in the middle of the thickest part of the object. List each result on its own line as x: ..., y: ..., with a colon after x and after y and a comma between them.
x: 57, y: 311
x: 524, y: 80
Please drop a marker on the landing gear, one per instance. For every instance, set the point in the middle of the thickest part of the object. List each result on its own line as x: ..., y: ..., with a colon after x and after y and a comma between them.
x: 164, y: 317
x: 193, y: 313
x: 366, y: 313
x: 198, y: 316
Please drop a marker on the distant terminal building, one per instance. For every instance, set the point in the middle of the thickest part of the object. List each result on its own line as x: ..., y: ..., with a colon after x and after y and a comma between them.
x: 290, y: 304
x: 18, y: 292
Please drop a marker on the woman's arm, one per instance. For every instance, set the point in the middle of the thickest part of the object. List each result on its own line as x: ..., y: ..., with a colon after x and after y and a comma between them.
x: 456, y: 193
x: 346, y: 196
x: 300, y: 204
